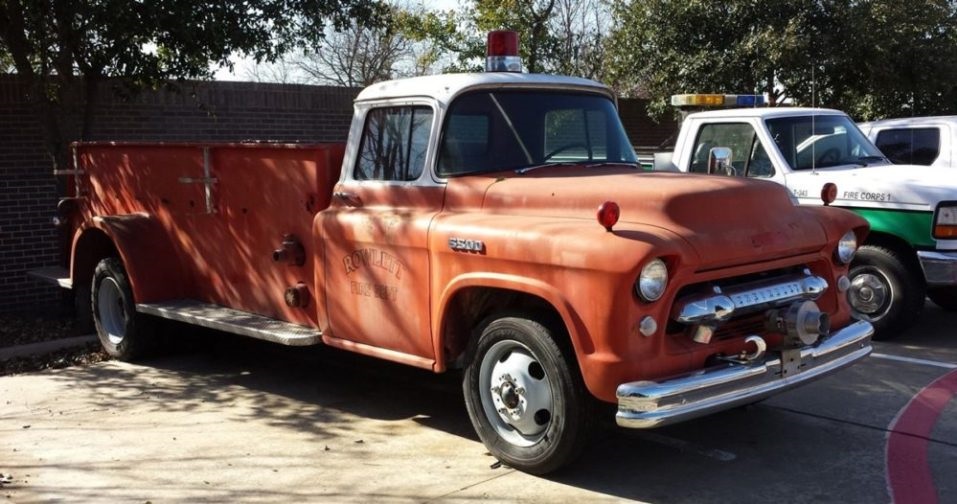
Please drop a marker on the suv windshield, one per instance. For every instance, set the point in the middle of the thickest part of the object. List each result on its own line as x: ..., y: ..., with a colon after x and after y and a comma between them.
x: 489, y: 131
x: 820, y: 141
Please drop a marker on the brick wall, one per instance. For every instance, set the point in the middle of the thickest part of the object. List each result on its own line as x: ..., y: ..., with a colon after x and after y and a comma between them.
x: 198, y: 111
x: 27, y: 198
x: 219, y: 111
x: 644, y: 132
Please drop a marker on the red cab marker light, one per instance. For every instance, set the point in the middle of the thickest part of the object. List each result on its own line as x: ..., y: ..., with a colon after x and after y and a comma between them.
x: 608, y: 214
x: 829, y: 193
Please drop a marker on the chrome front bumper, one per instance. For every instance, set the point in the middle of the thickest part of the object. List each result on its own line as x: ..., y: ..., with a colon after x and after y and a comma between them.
x: 940, y: 268
x: 647, y: 404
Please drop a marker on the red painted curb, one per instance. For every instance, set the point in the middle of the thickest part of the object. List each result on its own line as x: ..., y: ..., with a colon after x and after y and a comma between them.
x: 909, y: 478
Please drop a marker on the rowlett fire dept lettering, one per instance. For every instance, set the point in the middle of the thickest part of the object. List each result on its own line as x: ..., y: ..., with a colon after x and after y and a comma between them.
x: 378, y: 259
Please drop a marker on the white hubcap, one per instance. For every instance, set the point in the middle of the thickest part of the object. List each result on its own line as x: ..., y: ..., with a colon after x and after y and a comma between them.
x: 516, y: 394
x: 109, y: 302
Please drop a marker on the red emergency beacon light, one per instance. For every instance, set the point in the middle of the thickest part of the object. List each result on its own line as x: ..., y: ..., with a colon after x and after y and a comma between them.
x: 501, y: 52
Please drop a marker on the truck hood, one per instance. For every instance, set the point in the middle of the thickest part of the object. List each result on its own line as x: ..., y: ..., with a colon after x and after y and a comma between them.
x: 905, y: 187
x: 726, y: 220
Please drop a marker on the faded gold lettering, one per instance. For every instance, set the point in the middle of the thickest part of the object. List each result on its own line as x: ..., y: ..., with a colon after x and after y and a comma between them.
x: 373, y: 257
x: 380, y: 291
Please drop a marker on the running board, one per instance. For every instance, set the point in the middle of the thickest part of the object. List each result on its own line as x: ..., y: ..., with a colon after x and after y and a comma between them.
x: 233, y: 321
x: 56, y: 275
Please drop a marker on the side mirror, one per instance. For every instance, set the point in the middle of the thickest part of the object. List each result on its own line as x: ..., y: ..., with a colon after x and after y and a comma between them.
x: 719, y: 161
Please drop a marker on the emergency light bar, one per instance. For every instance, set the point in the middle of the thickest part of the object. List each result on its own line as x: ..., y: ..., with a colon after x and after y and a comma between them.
x: 501, y: 52
x: 717, y: 100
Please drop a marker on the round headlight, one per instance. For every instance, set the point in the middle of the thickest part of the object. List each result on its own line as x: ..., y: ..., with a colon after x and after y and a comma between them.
x: 653, y: 280
x: 847, y: 247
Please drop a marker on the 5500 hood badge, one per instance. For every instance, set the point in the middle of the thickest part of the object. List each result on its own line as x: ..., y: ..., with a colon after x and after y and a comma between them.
x: 464, y: 245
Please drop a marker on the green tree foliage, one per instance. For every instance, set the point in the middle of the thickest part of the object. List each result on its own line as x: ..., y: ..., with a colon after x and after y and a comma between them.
x: 66, y: 48
x: 529, y: 18
x: 555, y: 36
x: 449, y: 38
x: 874, y: 58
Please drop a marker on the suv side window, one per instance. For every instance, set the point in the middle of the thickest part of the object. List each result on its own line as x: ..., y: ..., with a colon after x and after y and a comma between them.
x: 394, y: 144
x: 919, y: 146
x: 748, y: 156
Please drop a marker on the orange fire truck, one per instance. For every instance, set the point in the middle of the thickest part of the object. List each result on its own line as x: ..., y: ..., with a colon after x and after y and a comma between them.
x: 496, y: 223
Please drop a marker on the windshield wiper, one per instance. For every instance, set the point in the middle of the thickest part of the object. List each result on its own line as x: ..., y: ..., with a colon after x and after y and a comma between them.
x: 526, y: 169
x: 870, y: 159
x: 590, y: 164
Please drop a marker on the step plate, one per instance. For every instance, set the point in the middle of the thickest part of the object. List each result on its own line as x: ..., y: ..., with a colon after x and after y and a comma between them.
x: 57, y: 275
x: 233, y: 321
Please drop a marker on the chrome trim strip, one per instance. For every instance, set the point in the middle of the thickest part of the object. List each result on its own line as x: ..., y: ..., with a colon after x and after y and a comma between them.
x: 647, y: 404
x: 940, y: 268
x: 748, y: 298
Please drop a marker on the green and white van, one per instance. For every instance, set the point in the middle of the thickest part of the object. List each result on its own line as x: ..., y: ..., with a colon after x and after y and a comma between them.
x: 911, y: 251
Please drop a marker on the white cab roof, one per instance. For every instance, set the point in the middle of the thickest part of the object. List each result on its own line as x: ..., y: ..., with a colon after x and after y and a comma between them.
x: 766, y: 112
x: 445, y: 87
x: 911, y: 121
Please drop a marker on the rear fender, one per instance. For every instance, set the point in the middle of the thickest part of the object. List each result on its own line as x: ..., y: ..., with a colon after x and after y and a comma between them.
x: 151, y: 262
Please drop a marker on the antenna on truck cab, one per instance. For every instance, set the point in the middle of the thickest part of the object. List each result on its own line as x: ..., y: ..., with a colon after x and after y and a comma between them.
x: 813, y: 126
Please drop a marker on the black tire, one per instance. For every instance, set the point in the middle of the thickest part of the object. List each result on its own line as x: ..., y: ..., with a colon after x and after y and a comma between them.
x: 559, y: 428
x: 885, y: 290
x: 123, y: 333
x: 944, y: 297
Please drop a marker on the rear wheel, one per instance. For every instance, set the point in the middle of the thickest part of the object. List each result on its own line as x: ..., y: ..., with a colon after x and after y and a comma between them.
x: 885, y: 290
x: 123, y: 333
x: 944, y: 297
x: 525, y: 396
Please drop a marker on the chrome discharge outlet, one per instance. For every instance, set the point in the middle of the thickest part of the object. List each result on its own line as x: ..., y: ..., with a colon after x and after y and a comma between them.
x: 802, y: 323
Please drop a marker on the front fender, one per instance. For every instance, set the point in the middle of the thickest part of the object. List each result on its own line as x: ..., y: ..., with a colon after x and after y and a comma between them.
x: 531, y: 286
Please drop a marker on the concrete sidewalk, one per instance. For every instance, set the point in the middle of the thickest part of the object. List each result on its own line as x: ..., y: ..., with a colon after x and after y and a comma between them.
x: 45, y: 347
x: 203, y: 428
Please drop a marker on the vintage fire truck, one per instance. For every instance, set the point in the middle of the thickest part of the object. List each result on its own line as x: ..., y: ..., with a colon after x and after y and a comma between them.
x: 495, y: 223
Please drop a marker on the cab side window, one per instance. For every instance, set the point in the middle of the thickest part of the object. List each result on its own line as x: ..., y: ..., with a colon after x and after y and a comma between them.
x: 748, y: 156
x: 394, y: 144
x: 919, y: 146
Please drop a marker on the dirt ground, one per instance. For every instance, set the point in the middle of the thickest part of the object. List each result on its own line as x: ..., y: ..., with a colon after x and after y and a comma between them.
x: 17, y: 330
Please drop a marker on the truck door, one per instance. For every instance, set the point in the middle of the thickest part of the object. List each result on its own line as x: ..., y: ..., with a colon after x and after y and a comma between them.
x: 749, y: 156
x: 375, y: 235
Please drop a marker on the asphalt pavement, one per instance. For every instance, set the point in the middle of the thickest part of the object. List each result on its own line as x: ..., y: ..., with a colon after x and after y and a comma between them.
x: 241, y: 420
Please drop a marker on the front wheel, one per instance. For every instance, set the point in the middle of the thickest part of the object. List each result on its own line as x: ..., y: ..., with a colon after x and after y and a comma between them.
x: 123, y: 333
x: 885, y: 290
x: 944, y: 297
x: 525, y: 396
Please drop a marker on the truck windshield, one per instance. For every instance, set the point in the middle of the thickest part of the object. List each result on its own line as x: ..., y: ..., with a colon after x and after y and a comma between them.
x: 820, y: 141
x: 489, y: 131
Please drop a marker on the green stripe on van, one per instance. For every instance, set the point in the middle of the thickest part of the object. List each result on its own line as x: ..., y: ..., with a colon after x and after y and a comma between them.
x: 913, y: 227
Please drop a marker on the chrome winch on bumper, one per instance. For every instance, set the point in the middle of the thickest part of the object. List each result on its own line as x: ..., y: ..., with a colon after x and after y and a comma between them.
x: 808, y: 352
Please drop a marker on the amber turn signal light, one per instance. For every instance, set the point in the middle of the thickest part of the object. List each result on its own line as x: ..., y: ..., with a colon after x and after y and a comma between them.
x: 945, y: 231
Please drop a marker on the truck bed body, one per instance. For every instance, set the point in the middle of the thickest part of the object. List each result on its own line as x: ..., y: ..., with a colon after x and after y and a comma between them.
x: 222, y: 209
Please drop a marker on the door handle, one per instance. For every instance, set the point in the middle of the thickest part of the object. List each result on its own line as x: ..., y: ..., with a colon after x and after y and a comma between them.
x: 349, y: 198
